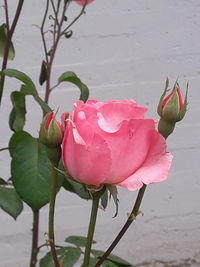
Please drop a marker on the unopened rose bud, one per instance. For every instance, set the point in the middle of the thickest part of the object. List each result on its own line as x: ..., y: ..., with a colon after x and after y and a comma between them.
x: 83, y: 2
x: 171, y: 109
x: 51, y: 133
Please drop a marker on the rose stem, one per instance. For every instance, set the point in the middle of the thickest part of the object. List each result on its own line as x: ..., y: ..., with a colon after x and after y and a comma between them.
x: 35, y: 230
x: 93, y: 217
x: 10, y: 31
x: 129, y: 221
x: 51, y: 215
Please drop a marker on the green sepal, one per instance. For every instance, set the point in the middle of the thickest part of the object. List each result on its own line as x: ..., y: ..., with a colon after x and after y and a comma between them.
x: 113, y: 192
x: 159, y: 109
x: 184, y: 107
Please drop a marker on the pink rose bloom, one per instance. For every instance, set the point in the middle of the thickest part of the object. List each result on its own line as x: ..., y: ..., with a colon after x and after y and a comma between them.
x: 82, y: 2
x: 112, y: 143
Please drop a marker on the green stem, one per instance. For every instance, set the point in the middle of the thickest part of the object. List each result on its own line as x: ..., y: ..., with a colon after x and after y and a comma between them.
x: 129, y: 221
x: 165, y: 128
x: 75, y: 19
x: 51, y: 216
x: 10, y: 32
x: 93, y: 217
x: 34, y: 249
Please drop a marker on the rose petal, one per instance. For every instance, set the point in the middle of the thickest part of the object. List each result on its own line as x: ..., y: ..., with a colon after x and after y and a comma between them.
x: 129, y: 148
x: 112, y: 113
x: 154, y: 169
x: 85, y: 120
x: 89, y: 164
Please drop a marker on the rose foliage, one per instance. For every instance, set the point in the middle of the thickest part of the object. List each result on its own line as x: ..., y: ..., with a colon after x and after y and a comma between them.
x: 113, y: 143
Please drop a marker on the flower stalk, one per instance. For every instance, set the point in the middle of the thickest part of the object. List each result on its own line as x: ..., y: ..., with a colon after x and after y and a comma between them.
x: 51, y: 215
x: 35, y: 231
x: 93, y: 216
x: 132, y: 216
x: 10, y: 32
x: 171, y: 109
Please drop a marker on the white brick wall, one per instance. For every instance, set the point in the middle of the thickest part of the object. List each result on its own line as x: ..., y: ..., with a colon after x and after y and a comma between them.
x: 121, y: 49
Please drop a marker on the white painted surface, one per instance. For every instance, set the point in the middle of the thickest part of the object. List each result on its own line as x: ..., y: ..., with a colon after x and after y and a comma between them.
x: 121, y: 49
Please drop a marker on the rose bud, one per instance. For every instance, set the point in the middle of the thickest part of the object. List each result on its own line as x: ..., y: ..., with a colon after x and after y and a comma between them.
x: 83, y: 2
x: 112, y: 143
x: 51, y: 132
x: 171, y: 109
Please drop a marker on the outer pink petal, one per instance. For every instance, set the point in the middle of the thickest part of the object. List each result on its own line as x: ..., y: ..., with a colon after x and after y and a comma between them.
x: 88, y: 164
x: 129, y: 148
x: 82, y: 118
x: 154, y: 169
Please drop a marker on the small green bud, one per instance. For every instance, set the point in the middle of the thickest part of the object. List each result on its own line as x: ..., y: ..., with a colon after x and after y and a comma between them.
x: 171, y: 109
x: 51, y: 133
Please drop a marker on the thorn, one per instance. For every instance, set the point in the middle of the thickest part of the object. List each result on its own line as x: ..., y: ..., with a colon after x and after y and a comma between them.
x: 140, y: 212
x: 131, y: 216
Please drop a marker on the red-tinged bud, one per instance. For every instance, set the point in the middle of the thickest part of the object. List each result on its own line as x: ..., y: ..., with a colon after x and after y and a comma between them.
x: 171, y: 109
x: 83, y: 2
x: 51, y: 133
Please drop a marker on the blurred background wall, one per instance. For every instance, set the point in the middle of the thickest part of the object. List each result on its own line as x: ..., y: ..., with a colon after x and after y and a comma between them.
x: 121, y: 50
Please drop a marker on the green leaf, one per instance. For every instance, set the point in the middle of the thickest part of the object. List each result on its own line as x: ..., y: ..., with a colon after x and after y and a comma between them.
x: 71, y: 256
x: 2, y: 181
x: 118, y: 260
x: 104, y: 199
x: 67, y: 256
x: 17, y: 115
x: 111, y: 258
x: 43, y: 73
x: 72, y: 186
x: 10, y: 201
x: 15, y: 139
x: 79, y: 241
x: 108, y: 263
x: 77, y: 188
x: 28, y: 87
x: 3, y: 37
x: 73, y: 78
x: 93, y: 261
x: 31, y: 172
x: 47, y: 261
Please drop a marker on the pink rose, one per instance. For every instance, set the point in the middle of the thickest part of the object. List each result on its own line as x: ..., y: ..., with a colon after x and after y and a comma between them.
x: 112, y: 143
x: 82, y: 2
